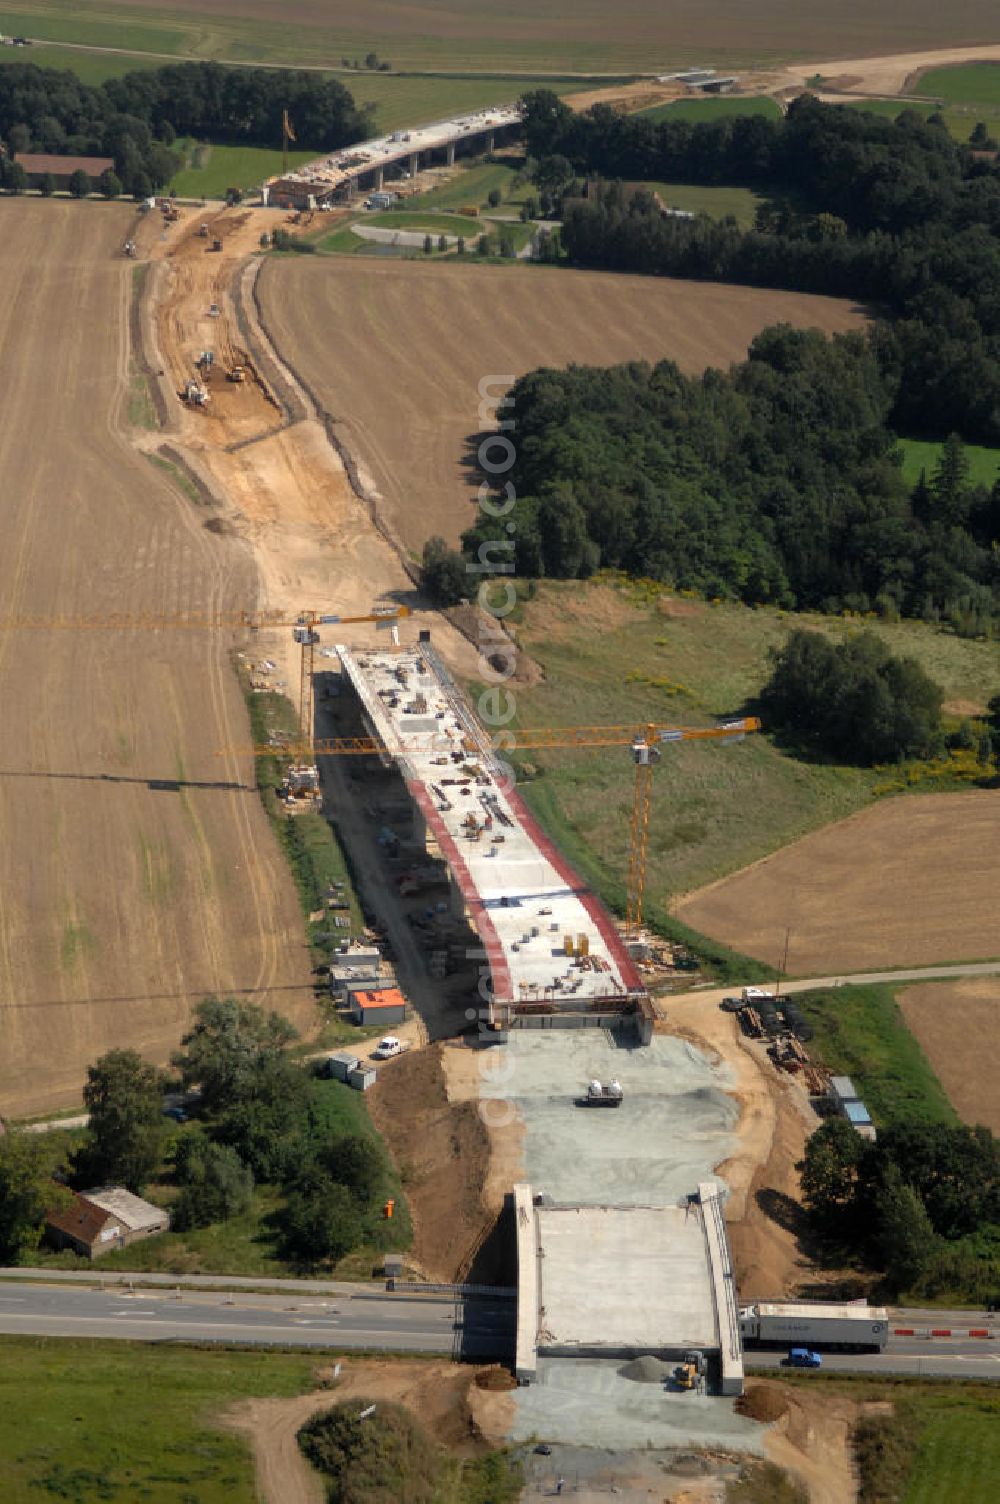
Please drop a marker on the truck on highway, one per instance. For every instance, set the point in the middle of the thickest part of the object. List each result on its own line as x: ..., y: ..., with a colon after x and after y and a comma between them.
x: 835, y: 1328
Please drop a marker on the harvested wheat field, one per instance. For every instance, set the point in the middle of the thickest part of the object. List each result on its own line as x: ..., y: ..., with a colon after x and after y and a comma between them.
x: 958, y: 1027
x: 396, y: 352
x: 907, y: 883
x: 137, y: 869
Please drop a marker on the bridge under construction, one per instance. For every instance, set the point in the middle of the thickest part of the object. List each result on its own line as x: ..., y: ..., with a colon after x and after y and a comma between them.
x: 553, y: 956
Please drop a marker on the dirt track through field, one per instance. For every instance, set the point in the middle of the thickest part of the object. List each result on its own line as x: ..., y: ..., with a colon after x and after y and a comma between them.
x: 909, y: 882
x: 396, y: 352
x: 137, y: 869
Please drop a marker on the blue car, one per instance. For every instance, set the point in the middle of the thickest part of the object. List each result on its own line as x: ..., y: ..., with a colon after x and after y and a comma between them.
x: 803, y: 1357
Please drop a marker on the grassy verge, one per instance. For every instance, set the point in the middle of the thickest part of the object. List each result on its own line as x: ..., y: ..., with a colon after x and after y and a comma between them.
x: 342, y: 242
x: 314, y: 854
x: 959, y: 118
x: 717, y: 203
x: 211, y: 169
x: 84, y: 1421
x: 972, y: 83
x: 141, y: 412
x: 860, y: 1032
x: 177, y: 477
x: 719, y: 107
x: 473, y: 184
x: 418, y: 219
x: 764, y: 1483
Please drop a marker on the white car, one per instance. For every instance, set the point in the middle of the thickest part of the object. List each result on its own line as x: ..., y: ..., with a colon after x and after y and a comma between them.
x: 387, y: 1047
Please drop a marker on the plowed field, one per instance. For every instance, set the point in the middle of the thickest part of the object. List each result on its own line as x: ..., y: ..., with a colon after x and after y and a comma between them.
x: 137, y: 871
x: 958, y: 1027
x: 396, y: 352
x: 908, y: 883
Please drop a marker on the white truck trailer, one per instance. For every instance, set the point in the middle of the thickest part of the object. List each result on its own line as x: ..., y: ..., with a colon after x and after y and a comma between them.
x: 843, y: 1328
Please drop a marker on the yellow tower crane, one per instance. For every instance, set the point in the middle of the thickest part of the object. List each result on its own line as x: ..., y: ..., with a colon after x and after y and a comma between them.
x: 287, y: 134
x: 644, y: 742
x: 304, y: 626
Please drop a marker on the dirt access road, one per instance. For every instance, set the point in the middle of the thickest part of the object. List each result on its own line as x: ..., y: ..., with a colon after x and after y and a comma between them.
x: 261, y: 447
x: 137, y: 870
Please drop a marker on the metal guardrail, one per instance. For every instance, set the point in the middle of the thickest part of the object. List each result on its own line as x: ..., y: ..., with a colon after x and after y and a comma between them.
x: 459, y: 1292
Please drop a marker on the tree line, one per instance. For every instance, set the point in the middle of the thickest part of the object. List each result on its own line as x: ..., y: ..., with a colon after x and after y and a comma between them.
x: 908, y: 1202
x: 776, y: 482
x: 136, y: 119
x: 259, y: 1120
x: 892, y: 212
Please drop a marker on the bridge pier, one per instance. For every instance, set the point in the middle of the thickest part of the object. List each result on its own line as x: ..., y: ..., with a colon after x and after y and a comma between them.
x: 379, y: 177
x: 414, y: 163
x: 490, y: 143
x: 451, y: 153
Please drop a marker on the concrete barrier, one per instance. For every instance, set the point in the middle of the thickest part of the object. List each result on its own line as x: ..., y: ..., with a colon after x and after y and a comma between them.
x: 724, y: 1289
x: 526, y: 1350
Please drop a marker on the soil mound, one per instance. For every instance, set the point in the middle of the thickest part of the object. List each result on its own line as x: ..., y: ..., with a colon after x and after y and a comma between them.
x: 646, y: 1370
x: 762, y: 1402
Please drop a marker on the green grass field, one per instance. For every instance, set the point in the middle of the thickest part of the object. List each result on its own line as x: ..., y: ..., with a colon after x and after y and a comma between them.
x: 213, y: 169
x: 861, y: 1033
x: 714, y: 107
x: 472, y: 185
x: 959, y: 118
x: 90, y: 67
x: 121, y: 1421
x: 402, y: 101
x: 435, y: 224
x: 612, y: 653
x: 972, y: 83
x: 929, y: 1443
x: 741, y: 203
x: 920, y: 454
x: 958, y: 1447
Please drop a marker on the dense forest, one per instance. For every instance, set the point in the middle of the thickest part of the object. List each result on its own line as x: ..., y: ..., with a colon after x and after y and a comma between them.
x: 922, y: 1203
x: 135, y: 119
x: 892, y: 212
x: 777, y: 481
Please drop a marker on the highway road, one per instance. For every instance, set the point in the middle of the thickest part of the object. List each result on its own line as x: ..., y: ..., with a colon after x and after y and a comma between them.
x: 926, y: 1358
x: 474, y: 1327
x: 356, y: 1318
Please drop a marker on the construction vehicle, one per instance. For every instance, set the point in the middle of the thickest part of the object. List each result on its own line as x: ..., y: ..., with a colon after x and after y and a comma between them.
x: 216, y: 245
x: 205, y: 361
x: 237, y: 374
x: 203, y: 231
x: 195, y: 394
x: 130, y: 249
x: 690, y: 1373
x: 600, y: 1095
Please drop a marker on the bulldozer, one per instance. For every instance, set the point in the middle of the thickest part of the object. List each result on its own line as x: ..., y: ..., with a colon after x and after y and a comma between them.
x: 689, y: 1373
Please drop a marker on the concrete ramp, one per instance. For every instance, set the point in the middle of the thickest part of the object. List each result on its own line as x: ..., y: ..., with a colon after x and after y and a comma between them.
x: 621, y: 1281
